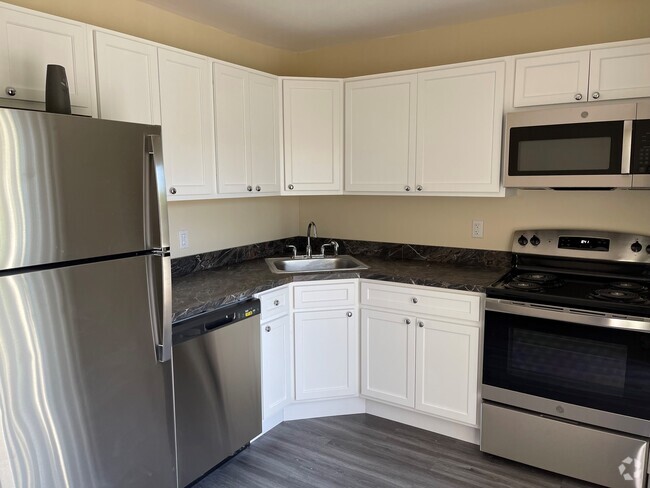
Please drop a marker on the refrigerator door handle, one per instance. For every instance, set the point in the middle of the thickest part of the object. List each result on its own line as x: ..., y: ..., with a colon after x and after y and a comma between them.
x: 154, y: 149
x: 160, y: 291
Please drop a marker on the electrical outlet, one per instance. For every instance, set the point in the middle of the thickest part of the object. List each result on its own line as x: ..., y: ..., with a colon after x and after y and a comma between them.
x: 183, y: 239
x: 477, y: 229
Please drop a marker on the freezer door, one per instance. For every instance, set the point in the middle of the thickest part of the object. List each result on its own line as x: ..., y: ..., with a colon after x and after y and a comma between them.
x: 84, y: 402
x: 76, y: 188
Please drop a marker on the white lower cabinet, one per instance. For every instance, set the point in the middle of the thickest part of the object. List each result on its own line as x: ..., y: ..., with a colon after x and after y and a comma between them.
x: 447, y: 369
x: 326, y: 354
x: 422, y: 361
x: 275, y: 337
x: 276, y: 365
x: 387, y: 357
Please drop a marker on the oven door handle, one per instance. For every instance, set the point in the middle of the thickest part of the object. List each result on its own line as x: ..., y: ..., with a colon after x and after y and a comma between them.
x: 562, y: 314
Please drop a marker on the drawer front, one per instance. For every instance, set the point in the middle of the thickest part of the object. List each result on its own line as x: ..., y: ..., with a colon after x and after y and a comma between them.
x: 327, y: 295
x: 275, y: 303
x: 420, y: 301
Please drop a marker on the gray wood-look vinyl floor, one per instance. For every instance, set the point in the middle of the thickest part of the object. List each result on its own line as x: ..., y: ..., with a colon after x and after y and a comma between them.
x: 364, y: 451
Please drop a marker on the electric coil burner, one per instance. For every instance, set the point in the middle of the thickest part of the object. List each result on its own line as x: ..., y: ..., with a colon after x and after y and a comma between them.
x: 566, y: 360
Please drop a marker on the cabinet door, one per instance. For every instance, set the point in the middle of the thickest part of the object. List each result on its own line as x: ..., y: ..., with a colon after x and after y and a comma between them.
x: 380, y: 116
x: 28, y: 43
x: 264, y: 131
x: 459, y: 129
x: 620, y: 72
x: 551, y: 78
x: 326, y: 354
x: 447, y: 370
x: 276, y: 365
x: 127, y: 79
x: 388, y: 357
x: 230, y: 114
x: 312, y: 136
x: 187, y: 122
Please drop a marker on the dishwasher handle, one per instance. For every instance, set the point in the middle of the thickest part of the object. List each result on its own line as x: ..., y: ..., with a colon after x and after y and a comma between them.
x: 207, y: 322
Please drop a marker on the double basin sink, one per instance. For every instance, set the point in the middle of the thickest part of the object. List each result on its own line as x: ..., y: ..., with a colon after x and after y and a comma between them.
x: 314, y: 265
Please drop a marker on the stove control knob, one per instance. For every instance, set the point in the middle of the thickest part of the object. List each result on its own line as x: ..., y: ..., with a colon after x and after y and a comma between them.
x: 522, y: 240
x: 535, y: 241
x: 647, y: 249
x: 636, y: 247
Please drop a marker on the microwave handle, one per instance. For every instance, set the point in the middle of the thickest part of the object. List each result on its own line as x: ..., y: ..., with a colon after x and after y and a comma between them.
x: 626, y: 157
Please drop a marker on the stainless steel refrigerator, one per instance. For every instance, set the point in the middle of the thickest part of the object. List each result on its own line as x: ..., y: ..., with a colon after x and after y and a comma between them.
x: 86, y: 395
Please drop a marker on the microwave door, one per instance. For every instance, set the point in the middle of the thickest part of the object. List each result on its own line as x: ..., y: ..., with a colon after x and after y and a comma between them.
x: 569, y: 148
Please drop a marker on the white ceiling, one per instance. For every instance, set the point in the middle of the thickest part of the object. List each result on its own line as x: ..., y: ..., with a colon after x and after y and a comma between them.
x: 302, y: 25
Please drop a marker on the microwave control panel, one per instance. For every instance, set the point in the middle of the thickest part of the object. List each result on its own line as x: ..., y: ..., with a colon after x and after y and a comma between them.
x: 641, y: 147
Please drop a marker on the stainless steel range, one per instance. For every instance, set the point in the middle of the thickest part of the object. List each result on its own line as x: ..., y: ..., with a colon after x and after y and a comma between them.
x: 566, y: 363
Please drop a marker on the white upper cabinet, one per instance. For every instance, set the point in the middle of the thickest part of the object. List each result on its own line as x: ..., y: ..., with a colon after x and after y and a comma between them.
x: 459, y: 119
x: 127, y: 79
x: 606, y: 73
x: 312, y: 136
x: 620, y: 72
x: 247, y: 131
x: 31, y: 41
x: 551, y: 78
x: 380, y: 117
x: 187, y: 125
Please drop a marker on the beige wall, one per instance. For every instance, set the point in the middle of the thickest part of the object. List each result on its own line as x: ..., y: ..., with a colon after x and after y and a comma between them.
x: 148, y: 22
x: 220, y: 224
x: 447, y: 221
x: 588, y: 22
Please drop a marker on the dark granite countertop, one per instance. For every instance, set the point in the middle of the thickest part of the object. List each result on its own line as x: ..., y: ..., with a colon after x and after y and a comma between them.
x: 203, y: 291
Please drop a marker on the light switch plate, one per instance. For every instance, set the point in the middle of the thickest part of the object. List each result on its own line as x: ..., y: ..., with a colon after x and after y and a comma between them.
x: 183, y: 239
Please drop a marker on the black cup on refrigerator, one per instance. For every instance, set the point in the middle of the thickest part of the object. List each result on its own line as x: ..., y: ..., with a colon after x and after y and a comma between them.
x: 57, y: 93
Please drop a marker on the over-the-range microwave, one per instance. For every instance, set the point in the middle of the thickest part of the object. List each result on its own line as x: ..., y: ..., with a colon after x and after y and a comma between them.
x: 591, y: 146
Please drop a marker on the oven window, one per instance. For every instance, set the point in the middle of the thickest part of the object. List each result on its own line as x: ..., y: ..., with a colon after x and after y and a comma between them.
x: 539, y: 356
x: 568, y: 149
x: 595, y: 367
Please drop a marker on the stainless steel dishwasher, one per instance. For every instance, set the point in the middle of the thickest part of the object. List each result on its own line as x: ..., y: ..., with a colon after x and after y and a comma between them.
x: 217, y: 386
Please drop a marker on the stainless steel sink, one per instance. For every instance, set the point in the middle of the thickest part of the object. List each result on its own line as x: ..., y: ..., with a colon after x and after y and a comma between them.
x: 314, y: 265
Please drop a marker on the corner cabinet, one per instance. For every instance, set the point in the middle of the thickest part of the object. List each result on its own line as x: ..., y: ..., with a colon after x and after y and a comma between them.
x: 313, y: 134
x: 247, y: 131
x: 606, y: 73
x: 326, y: 340
x: 187, y: 125
x: 380, y: 117
x: 31, y: 41
x: 459, y: 120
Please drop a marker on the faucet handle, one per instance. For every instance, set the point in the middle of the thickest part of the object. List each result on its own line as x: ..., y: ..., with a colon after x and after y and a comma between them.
x: 333, y: 244
x: 294, y: 249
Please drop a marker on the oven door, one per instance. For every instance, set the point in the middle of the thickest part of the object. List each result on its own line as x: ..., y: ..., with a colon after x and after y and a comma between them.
x: 571, y: 364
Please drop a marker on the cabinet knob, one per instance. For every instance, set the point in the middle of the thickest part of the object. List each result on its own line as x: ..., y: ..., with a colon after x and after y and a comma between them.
x: 414, y: 300
x: 258, y: 188
x: 595, y: 95
x: 421, y: 324
x: 291, y: 187
x: 578, y: 96
x: 172, y: 190
x: 349, y: 314
x: 407, y: 321
x: 407, y: 188
x: 418, y: 188
x: 11, y: 91
x: 276, y: 302
x: 267, y: 328
x: 249, y: 188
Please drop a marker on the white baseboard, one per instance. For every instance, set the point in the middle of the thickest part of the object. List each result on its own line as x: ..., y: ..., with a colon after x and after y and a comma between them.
x: 422, y: 421
x: 268, y: 424
x: 324, y: 408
